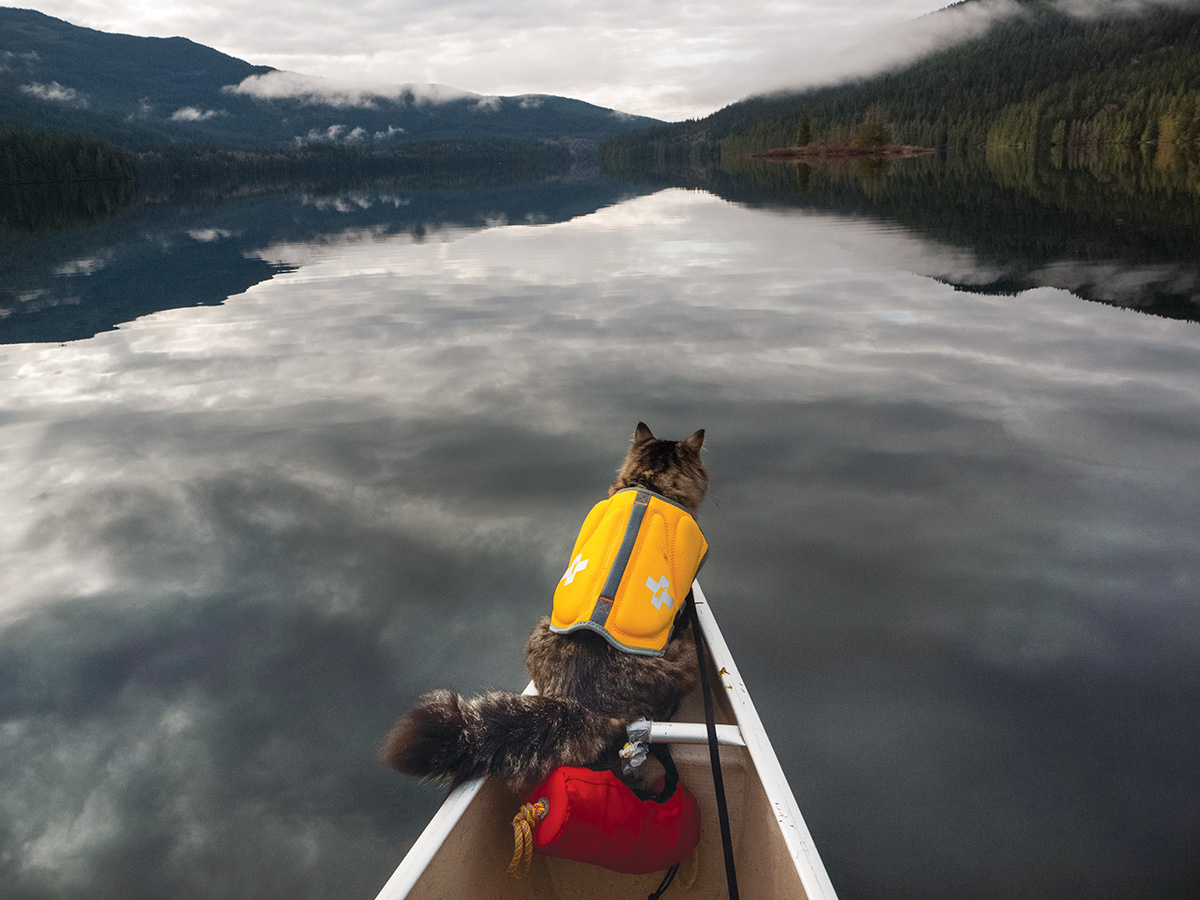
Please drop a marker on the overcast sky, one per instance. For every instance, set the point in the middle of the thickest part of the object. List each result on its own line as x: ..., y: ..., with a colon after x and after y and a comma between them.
x: 671, y: 59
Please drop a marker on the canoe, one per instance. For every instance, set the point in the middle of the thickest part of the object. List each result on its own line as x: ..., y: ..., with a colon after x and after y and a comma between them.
x: 466, y: 848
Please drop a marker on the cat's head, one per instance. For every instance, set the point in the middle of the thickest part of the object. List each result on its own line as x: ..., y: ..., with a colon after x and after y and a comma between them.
x: 670, y: 468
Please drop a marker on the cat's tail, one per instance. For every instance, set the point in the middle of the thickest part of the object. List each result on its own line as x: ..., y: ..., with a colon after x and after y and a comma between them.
x: 516, y: 738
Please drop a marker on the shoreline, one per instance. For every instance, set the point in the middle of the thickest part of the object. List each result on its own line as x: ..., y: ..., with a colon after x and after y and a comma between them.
x: 889, y: 151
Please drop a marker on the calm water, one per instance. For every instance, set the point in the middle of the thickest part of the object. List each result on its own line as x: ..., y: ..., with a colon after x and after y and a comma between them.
x: 340, y: 458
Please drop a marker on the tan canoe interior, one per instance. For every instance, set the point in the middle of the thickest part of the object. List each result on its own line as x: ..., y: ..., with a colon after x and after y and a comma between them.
x: 473, y: 861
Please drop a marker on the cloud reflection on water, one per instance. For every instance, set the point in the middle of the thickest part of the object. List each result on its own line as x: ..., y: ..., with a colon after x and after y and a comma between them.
x: 242, y: 538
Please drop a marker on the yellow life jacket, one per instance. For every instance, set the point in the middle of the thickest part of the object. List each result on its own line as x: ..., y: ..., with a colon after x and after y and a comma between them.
x: 630, y: 572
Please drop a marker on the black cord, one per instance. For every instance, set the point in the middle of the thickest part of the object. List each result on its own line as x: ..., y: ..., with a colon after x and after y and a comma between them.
x: 666, y: 882
x: 714, y: 754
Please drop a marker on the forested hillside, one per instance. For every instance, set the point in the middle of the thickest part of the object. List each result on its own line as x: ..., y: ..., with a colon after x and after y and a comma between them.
x: 1034, y: 79
x: 35, y: 157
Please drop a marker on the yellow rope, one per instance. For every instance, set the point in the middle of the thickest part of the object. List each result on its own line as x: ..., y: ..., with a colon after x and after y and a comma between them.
x: 523, y: 823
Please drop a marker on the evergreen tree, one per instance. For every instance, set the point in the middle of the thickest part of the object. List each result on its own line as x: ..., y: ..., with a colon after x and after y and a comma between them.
x: 873, y: 132
x: 804, y: 131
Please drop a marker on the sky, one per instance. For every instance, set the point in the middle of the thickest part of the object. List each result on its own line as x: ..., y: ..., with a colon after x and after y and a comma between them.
x: 673, y: 59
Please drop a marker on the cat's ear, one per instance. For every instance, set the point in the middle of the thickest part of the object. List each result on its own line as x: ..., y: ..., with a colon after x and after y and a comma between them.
x: 696, y: 441
x: 642, y: 434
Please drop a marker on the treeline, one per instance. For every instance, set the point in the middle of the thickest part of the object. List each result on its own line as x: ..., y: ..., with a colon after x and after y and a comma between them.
x: 459, y: 163
x: 61, y: 181
x: 37, y: 157
x: 1035, y: 79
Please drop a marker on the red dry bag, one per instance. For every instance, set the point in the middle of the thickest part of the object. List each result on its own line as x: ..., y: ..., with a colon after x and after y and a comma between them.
x: 593, y: 817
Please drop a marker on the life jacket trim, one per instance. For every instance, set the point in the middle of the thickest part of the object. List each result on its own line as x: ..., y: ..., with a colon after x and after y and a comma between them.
x: 632, y: 528
x: 630, y: 543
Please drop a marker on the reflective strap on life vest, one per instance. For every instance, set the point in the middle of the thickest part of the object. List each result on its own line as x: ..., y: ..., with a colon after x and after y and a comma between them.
x: 603, y: 608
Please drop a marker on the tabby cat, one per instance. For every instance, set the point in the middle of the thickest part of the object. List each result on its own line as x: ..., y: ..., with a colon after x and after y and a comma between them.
x: 588, y: 689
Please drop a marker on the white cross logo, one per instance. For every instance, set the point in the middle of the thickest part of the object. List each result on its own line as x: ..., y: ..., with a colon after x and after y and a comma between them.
x: 578, y: 564
x: 659, y: 590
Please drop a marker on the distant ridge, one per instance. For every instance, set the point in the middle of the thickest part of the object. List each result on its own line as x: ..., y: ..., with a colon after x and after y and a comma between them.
x: 1035, y: 78
x: 142, y: 92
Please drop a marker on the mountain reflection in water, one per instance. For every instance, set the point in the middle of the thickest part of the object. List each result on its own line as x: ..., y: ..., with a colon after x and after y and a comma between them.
x: 953, y: 534
x: 74, y: 283
x: 1123, y: 230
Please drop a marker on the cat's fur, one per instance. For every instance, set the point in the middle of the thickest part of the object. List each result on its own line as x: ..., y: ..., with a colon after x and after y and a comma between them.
x: 589, y: 691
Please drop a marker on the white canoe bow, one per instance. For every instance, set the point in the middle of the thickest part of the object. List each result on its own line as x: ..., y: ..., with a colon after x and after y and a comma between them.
x: 465, y: 849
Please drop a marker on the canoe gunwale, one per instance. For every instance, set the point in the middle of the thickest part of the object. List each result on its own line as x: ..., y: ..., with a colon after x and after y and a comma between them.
x: 796, y: 835
x: 425, y: 848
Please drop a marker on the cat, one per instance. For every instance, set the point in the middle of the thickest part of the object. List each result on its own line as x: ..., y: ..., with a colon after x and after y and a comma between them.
x: 589, y: 690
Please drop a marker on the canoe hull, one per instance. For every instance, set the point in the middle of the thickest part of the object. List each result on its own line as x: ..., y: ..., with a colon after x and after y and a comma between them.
x: 466, y: 849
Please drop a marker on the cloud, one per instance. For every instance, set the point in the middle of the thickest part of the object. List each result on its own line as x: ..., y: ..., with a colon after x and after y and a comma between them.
x: 901, y: 43
x: 326, y: 92
x: 1090, y: 9
x: 192, y: 114
x: 208, y: 235
x: 336, y: 133
x: 346, y: 135
x: 55, y: 93
x: 905, y: 42
x: 11, y: 62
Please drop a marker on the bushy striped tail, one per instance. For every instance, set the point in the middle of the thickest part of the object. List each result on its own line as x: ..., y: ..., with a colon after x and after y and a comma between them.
x: 515, y: 738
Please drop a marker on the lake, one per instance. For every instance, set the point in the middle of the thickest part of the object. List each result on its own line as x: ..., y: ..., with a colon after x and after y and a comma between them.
x: 275, y: 464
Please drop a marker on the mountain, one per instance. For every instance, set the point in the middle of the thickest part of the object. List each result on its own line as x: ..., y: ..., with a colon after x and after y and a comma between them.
x: 142, y: 92
x: 1037, y: 76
